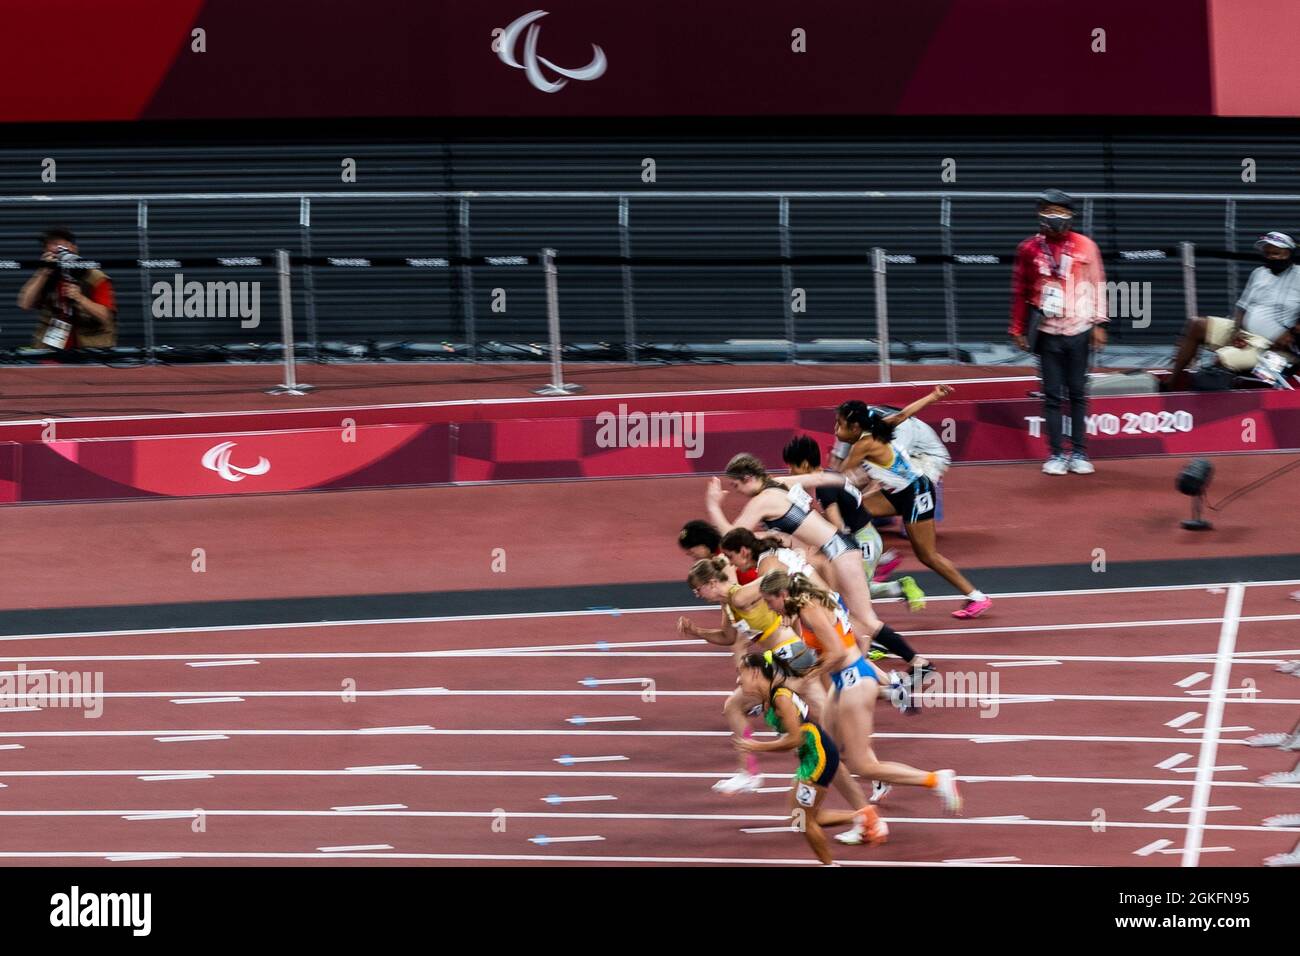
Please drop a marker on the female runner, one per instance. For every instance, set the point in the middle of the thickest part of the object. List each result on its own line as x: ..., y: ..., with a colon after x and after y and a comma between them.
x: 855, y: 681
x: 786, y: 713
x: 783, y: 504
x: 904, y: 490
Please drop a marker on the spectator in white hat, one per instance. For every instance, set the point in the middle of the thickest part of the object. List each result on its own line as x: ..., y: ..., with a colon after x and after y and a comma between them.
x: 1266, y: 313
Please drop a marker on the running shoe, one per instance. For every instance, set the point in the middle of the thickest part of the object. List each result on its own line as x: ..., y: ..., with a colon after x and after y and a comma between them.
x: 879, y: 790
x: 888, y: 562
x: 872, y: 830
x: 972, y: 609
x: 948, y: 792
x: 1284, y: 859
x: 739, y: 783
x: 1056, y: 465
x: 1080, y: 465
x: 876, y: 654
x: 912, y: 591
x: 1289, y: 667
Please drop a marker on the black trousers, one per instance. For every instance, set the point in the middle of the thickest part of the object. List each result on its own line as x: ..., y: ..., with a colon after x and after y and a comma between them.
x: 1063, y: 362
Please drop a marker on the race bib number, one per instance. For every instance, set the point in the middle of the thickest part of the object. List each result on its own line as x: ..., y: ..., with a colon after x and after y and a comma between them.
x: 849, y: 677
x: 1052, y: 301
x: 868, y: 551
x: 924, y: 502
x: 57, y: 333
x: 805, y: 795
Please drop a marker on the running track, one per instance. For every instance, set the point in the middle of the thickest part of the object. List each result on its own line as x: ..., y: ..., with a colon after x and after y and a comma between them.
x: 1117, y: 740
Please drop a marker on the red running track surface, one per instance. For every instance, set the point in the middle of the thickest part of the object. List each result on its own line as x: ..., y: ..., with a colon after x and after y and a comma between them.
x: 1069, y: 750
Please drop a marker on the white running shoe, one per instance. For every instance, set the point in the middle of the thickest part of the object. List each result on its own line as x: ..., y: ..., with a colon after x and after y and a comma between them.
x: 1056, y: 465
x: 879, y: 790
x: 948, y: 791
x: 741, y: 782
x: 862, y: 834
x: 1080, y: 465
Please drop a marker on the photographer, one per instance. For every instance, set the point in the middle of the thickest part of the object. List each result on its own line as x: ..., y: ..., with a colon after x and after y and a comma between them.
x: 76, y: 305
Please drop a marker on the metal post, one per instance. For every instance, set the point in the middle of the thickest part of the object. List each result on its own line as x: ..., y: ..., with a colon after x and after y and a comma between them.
x: 556, y: 386
x: 1230, y: 243
x: 949, y: 279
x: 291, y: 385
x: 142, y: 247
x: 467, y: 282
x: 629, y: 300
x: 1087, y: 216
x: 308, y: 280
x: 787, y: 278
x: 882, y: 312
x: 1188, y: 251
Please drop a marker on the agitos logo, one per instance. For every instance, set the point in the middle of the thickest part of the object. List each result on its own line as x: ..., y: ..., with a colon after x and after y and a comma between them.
x: 217, y: 458
x: 509, y: 40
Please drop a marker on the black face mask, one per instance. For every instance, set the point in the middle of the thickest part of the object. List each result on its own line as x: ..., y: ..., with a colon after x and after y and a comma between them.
x: 1055, y: 225
x: 1278, y: 266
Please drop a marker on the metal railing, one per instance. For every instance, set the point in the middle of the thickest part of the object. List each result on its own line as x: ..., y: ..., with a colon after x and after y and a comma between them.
x: 941, y: 203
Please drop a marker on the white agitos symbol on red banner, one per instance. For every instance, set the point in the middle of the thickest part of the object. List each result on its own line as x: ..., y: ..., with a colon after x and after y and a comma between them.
x: 506, y: 50
x: 217, y: 458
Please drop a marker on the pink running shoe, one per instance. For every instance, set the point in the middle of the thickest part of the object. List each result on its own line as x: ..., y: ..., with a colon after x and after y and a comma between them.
x: 972, y: 609
x: 891, y: 560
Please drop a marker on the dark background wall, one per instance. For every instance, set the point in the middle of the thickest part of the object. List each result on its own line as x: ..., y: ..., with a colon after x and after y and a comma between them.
x: 671, y: 305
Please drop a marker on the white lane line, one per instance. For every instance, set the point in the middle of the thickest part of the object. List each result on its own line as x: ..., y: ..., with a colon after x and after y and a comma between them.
x: 1207, y: 849
x: 1155, y: 847
x: 547, y: 841
x: 1213, y: 721
x: 714, y: 775
x: 1222, y: 730
x: 237, y: 663
x: 1206, y: 810
x: 583, y: 721
x: 1228, y: 768
x: 788, y: 828
x: 17, y: 710
x: 453, y: 618
x: 568, y: 760
x: 987, y: 859
x: 1193, y: 679
x: 26, y: 673
x: 555, y: 799
x: 1186, y: 718
x: 1170, y: 762
x: 181, y: 739
x: 205, y: 700
x: 384, y: 766
x: 565, y: 732
x: 372, y: 806
x: 12, y: 747
x: 1022, y: 663
x: 1163, y: 804
x: 407, y: 729
x: 134, y: 857
x: 178, y: 776
x: 593, y: 682
x: 162, y: 815
x: 359, y: 848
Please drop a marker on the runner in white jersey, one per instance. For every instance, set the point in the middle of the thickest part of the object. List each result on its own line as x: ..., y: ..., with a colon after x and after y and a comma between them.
x: 870, y: 455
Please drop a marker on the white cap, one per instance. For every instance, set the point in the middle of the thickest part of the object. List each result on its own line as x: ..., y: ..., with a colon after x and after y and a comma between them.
x: 1279, y: 239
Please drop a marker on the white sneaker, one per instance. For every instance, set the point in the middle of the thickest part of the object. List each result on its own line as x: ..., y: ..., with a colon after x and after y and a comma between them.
x: 741, y: 782
x: 879, y: 790
x: 1056, y: 465
x: 1080, y: 465
x: 948, y: 791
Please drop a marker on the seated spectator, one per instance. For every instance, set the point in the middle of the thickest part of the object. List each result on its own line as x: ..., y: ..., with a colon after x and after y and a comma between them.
x: 1267, y: 311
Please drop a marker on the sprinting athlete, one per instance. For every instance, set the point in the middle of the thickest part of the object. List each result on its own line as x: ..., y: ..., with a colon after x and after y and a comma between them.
x: 701, y: 540
x: 856, y: 684
x: 896, y: 486
x: 784, y: 505
x: 819, y: 760
x: 748, y: 626
x: 843, y: 506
